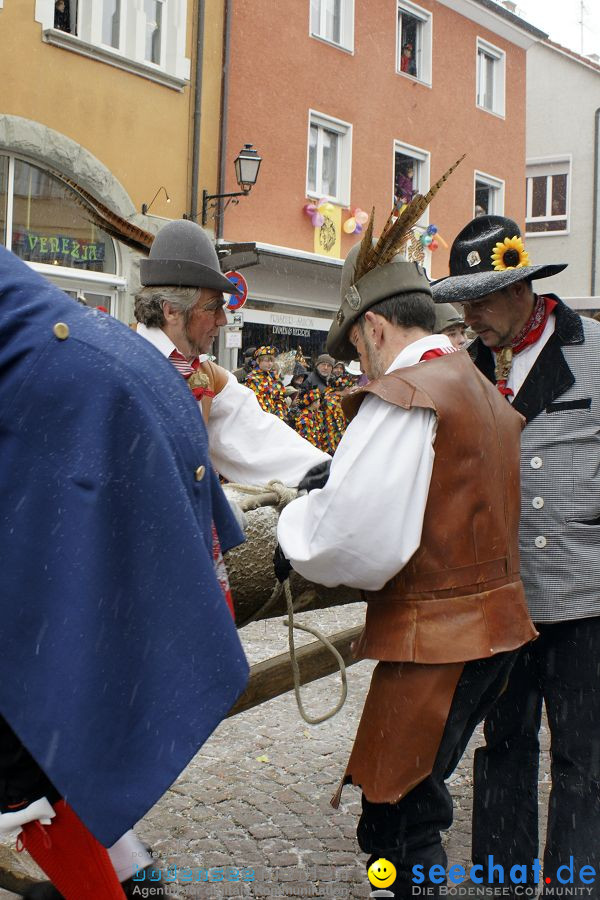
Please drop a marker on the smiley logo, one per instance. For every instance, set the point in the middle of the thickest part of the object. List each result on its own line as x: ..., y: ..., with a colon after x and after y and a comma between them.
x: 382, y: 873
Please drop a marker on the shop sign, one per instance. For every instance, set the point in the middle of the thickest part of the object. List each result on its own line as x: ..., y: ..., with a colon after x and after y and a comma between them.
x: 41, y: 246
x: 291, y: 321
x: 287, y: 329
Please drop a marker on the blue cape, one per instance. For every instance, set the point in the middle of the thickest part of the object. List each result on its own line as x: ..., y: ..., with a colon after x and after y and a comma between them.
x: 119, y: 654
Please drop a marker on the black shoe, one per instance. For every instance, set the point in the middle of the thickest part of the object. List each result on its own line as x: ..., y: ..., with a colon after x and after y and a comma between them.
x: 43, y: 890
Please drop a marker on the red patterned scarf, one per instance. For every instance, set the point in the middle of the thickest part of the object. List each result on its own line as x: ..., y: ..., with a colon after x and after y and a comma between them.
x: 529, y: 334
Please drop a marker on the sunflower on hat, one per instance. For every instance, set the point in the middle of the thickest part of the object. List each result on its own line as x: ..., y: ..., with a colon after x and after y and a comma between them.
x: 510, y: 254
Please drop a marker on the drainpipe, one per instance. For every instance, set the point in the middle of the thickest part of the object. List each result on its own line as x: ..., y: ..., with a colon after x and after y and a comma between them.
x: 197, y: 112
x: 596, y: 186
x: 224, y: 107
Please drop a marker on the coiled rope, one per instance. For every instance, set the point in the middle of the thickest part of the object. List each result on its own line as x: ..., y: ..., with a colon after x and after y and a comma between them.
x: 275, y: 493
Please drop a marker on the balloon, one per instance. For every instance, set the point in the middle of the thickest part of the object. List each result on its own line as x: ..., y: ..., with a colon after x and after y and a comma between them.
x: 358, y: 229
x: 432, y: 229
x: 349, y: 225
x: 361, y: 216
x: 318, y: 220
x: 310, y: 209
x: 433, y: 245
x: 326, y: 207
x: 426, y: 239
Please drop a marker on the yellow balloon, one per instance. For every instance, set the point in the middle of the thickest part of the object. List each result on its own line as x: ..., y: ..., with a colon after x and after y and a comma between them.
x: 326, y: 207
x: 349, y: 225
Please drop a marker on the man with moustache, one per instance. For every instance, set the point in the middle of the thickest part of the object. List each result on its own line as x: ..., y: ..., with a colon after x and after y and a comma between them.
x: 545, y: 359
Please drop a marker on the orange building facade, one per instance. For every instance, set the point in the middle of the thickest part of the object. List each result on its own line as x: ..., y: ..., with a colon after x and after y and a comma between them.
x: 358, y: 102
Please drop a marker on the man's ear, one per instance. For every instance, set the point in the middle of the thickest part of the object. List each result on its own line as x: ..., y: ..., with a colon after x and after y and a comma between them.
x: 374, y: 325
x: 170, y: 313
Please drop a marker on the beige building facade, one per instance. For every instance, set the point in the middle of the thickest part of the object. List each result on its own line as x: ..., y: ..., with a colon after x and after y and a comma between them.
x: 106, y: 95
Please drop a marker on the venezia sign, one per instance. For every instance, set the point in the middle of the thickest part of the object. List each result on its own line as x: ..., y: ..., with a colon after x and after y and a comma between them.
x: 41, y: 246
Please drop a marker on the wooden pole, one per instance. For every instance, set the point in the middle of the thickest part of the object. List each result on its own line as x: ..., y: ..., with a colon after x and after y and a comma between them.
x: 272, y: 677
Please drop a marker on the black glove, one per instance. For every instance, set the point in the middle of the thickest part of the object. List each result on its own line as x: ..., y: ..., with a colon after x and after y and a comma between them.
x: 316, y: 477
x: 281, y: 564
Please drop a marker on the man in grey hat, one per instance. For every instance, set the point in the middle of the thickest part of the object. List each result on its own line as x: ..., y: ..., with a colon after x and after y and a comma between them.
x: 545, y: 359
x: 401, y: 519
x: 180, y: 309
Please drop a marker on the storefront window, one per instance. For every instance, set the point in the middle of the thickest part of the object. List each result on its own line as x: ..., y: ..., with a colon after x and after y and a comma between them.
x: 48, y: 225
x: 3, y: 196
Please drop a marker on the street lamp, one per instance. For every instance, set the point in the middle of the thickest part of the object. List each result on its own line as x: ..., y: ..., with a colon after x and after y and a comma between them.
x: 247, y: 163
x: 146, y: 206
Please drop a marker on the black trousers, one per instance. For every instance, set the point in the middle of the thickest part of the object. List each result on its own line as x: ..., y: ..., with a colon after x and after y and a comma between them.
x: 561, y: 669
x: 21, y: 779
x: 408, y: 833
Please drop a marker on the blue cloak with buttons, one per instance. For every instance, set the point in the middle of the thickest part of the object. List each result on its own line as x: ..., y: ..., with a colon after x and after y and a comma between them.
x: 119, y: 654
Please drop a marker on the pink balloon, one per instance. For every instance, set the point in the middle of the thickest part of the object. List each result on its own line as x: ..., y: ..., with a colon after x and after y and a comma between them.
x: 318, y: 219
x: 310, y: 209
x: 361, y: 216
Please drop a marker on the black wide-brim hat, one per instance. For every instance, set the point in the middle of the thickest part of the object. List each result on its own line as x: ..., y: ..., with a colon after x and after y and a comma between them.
x: 487, y: 256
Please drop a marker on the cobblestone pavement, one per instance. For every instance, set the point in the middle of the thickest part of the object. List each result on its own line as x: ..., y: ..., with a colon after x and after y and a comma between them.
x: 257, y: 795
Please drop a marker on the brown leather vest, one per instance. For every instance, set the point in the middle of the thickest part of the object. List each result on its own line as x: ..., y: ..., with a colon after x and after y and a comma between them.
x: 460, y: 596
x: 217, y: 379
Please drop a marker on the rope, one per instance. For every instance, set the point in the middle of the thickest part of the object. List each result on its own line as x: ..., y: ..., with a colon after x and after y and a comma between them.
x: 310, y: 720
x: 274, y: 493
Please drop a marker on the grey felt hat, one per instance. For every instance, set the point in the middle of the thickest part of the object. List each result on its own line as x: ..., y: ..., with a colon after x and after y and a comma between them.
x: 395, y: 277
x: 446, y: 316
x: 482, y: 261
x: 183, y: 255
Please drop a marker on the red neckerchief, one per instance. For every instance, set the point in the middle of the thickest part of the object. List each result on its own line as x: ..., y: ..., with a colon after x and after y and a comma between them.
x: 529, y: 334
x: 438, y: 351
x: 187, y: 369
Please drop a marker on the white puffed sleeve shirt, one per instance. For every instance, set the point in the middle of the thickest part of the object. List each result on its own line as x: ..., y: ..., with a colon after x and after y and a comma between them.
x: 366, y: 523
x: 247, y: 444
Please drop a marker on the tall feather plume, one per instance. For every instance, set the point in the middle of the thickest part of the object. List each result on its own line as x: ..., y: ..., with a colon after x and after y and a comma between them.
x: 365, y: 246
x: 103, y: 217
x: 396, y: 230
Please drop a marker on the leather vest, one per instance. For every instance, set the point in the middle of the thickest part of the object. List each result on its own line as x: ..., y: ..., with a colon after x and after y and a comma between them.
x: 460, y: 596
x: 217, y: 379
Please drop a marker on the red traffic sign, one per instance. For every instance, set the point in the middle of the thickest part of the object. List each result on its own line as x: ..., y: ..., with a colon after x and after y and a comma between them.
x: 236, y: 301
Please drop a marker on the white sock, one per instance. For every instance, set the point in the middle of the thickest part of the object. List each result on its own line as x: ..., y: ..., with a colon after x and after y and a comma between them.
x: 128, y: 855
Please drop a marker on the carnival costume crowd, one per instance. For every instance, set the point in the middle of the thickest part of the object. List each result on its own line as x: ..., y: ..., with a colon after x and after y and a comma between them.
x: 476, y: 477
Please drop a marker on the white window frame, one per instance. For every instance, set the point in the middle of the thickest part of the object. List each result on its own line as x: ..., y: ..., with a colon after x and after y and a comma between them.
x: 175, y: 67
x: 422, y: 181
x: 163, y: 35
x: 317, y: 29
x: 499, y: 88
x: 497, y: 186
x: 423, y: 52
x: 344, y: 159
x: 548, y: 166
x: 107, y: 283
